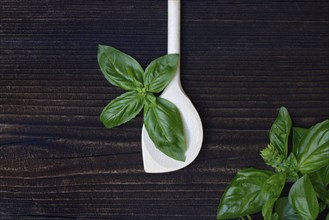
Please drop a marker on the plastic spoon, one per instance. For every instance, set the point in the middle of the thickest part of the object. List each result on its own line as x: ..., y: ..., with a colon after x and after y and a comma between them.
x: 154, y: 160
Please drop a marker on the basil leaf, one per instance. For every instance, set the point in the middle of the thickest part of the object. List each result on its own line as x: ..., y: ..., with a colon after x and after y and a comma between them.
x: 302, y: 198
x: 275, y: 216
x: 248, y: 192
x: 273, y: 157
x: 164, y: 125
x: 291, y: 167
x: 267, y: 209
x: 320, y: 177
x: 273, y: 186
x: 297, y: 135
x: 271, y: 191
x: 327, y: 217
x: 160, y: 72
x: 280, y: 131
x: 119, y: 68
x: 122, y: 109
x: 285, y: 210
x: 320, y: 182
x: 313, y: 152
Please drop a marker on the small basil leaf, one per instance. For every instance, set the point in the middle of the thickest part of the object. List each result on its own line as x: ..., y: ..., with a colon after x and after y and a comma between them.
x: 271, y: 191
x: 284, y: 210
x: 267, y: 209
x: 320, y: 182
x: 280, y: 131
x: 160, y: 72
x: 275, y: 216
x: 119, y: 68
x: 122, y: 109
x: 291, y: 167
x: 273, y: 186
x: 302, y: 198
x: 313, y: 152
x: 244, y: 195
x: 164, y: 125
x: 272, y: 157
x: 297, y: 135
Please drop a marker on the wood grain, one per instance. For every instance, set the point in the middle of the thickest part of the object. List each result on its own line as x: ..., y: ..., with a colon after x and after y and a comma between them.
x: 241, y: 61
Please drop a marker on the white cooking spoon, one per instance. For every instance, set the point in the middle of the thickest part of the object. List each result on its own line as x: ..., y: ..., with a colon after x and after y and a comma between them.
x: 154, y: 160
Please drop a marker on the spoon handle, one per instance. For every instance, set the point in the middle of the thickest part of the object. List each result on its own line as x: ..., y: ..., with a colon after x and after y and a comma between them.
x: 174, y: 26
x: 174, y: 40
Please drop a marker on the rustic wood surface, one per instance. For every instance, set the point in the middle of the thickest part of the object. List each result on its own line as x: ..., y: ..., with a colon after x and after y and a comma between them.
x: 241, y: 61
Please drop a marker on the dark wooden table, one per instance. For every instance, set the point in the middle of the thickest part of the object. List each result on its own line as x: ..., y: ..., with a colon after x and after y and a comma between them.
x: 241, y: 61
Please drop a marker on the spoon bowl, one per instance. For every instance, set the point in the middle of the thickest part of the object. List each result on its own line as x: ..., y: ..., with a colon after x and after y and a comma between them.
x: 157, y: 162
x: 154, y: 160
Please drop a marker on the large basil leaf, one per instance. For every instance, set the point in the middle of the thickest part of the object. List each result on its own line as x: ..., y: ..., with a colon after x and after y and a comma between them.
x: 284, y: 210
x: 248, y: 192
x: 297, y: 135
x: 122, y: 109
x: 119, y: 68
x: 320, y: 182
x: 302, y: 198
x: 280, y: 131
x: 164, y: 125
x: 313, y: 152
x: 160, y: 72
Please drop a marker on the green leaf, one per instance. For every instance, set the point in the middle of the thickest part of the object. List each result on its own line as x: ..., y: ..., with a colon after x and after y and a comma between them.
x: 119, y: 68
x: 243, y: 194
x: 122, y: 109
x: 273, y: 186
x: 297, y: 135
x: 280, y: 131
x: 291, y: 167
x: 267, y: 209
x: 275, y: 216
x: 302, y: 198
x: 320, y: 182
x: 284, y: 210
x: 164, y: 125
x: 160, y: 72
x: 320, y: 177
x: 272, y: 157
x: 248, y: 192
x: 327, y: 217
x: 313, y: 152
x: 271, y: 190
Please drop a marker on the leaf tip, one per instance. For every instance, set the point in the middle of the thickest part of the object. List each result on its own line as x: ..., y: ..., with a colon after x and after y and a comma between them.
x: 183, y: 158
x: 100, y: 47
x: 283, y: 110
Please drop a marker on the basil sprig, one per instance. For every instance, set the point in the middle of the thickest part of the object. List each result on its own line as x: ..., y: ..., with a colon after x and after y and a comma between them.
x: 253, y: 190
x: 161, y: 117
